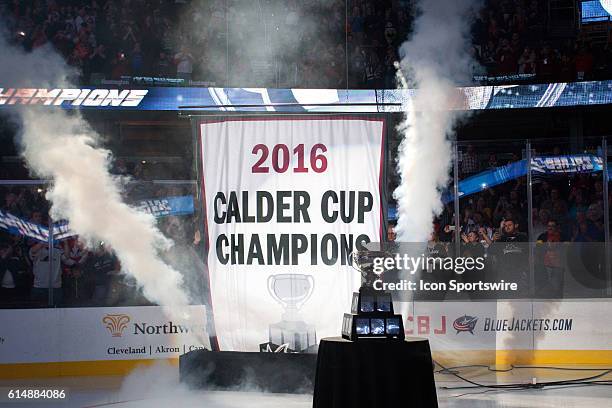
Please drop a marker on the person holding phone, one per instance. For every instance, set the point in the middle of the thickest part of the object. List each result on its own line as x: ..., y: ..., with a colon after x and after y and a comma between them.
x: 511, y: 254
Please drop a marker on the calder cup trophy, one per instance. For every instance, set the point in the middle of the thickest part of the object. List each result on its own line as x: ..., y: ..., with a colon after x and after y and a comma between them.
x: 291, y: 334
x: 372, y: 313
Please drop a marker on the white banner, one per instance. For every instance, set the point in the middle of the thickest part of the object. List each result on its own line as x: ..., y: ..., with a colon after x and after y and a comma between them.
x: 287, y: 199
x: 104, y: 333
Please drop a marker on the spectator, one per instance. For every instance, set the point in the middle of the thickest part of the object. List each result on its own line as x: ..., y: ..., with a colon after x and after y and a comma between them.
x: 469, y: 162
x: 527, y: 62
x: 374, y: 70
x: 516, y: 202
x: 11, y: 204
x: 581, y: 231
x: 472, y: 248
x: 597, y: 194
x: 595, y: 227
x: 509, y: 232
x: 555, y: 198
x: 552, y: 233
x: 503, y: 207
x: 549, y: 281
x: 511, y: 256
x: 184, y: 63
x: 578, y: 204
x: 45, y: 276
x: 98, y: 61
x: 356, y: 24
x: 506, y: 58
x: 137, y: 60
x: 391, y: 235
x: 162, y: 65
x: 81, y: 17
x: 13, y: 276
x: 540, y: 222
x: 547, y: 63
x: 72, y: 281
x: 584, y: 64
x: 101, y: 265
x: 129, y: 39
x: 492, y: 164
x: 120, y: 66
x: 433, y: 274
x: 390, y: 35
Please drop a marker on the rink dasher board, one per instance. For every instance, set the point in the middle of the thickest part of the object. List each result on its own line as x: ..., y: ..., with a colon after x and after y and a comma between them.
x: 83, y: 334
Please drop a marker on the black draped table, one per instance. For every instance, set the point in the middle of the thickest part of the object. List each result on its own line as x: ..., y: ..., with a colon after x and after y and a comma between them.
x: 374, y: 373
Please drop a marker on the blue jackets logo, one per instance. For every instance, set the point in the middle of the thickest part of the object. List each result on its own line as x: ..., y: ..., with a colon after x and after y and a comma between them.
x: 465, y: 324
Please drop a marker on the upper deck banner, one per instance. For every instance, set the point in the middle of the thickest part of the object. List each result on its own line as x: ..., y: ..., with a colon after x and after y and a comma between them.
x: 128, y: 97
x: 287, y: 199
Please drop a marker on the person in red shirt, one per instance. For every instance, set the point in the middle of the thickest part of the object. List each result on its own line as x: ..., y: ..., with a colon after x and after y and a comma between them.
x: 584, y: 63
x: 550, y: 282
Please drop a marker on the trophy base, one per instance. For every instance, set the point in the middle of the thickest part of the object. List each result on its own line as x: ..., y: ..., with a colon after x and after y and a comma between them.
x: 372, y: 316
x: 372, y: 326
x: 294, y: 335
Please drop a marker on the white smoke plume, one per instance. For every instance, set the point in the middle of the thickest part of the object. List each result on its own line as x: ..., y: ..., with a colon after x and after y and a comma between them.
x: 435, y: 59
x: 62, y: 147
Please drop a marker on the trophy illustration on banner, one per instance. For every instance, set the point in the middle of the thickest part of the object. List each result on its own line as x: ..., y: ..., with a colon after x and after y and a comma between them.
x: 372, y: 313
x: 291, y: 334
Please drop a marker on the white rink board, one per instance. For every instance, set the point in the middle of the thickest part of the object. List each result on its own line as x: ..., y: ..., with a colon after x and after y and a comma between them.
x: 79, y: 334
x: 514, y: 325
x: 105, y: 333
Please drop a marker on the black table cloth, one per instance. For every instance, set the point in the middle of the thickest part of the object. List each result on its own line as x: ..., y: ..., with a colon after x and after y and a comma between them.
x: 374, y: 373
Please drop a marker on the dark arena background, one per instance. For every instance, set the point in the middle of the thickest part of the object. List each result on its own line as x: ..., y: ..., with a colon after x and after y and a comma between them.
x: 187, y: 188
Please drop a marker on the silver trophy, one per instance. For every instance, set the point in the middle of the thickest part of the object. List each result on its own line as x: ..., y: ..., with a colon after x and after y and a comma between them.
x: 292, y: 291
x: 372, y: 314
x: 363, y: 261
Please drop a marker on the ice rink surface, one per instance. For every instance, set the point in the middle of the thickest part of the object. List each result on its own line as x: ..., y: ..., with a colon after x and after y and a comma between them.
x: 158, y: 386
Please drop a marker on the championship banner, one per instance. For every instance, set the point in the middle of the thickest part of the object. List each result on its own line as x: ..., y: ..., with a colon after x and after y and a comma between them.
x: 286, y: 201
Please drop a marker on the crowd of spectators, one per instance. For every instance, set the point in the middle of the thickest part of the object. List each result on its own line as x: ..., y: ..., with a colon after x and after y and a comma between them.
x: 510, y: 37
x: 567, y: 210
x: 290, y: 43
x: 309, y: 43
x: 573, y: 202
x: 108, y: 39
x: 313, y: 44
x: 567, y: 216
x: 80, y: 275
